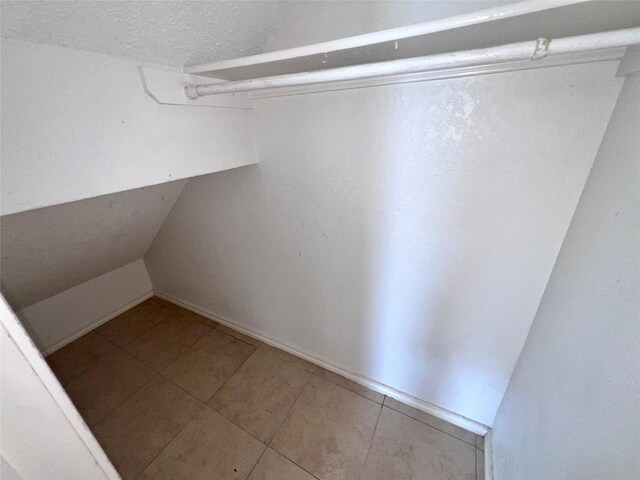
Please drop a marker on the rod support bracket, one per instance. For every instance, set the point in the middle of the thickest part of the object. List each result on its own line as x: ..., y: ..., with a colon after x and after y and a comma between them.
x: 541, y: 49
x: 190, y: 91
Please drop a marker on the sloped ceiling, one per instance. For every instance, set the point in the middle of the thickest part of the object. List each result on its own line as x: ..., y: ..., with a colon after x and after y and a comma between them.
x: 185, y: 32
x: 49, y: 250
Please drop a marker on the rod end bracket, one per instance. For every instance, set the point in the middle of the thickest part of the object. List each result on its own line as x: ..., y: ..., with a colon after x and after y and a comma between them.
x: 541, y: 49
x: 190, y: 91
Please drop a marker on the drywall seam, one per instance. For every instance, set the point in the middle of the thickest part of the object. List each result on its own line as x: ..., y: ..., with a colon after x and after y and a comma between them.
x: 444, y: 414
x: 25, y: 345
x: 96, y: 323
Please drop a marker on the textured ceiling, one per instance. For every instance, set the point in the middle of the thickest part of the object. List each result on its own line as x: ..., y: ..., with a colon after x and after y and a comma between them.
x: 49, y: 250
x: 185, y: 32
x: 172, y: 33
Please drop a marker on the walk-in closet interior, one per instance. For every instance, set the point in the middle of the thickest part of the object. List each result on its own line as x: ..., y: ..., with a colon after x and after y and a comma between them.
x: 330, y: 240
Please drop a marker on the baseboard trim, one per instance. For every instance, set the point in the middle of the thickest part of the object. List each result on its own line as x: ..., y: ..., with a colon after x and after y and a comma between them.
x: 435, y: 410
x: 95, y: 324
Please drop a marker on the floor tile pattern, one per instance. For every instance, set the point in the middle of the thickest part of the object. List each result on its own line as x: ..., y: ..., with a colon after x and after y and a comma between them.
x: 173, y: 395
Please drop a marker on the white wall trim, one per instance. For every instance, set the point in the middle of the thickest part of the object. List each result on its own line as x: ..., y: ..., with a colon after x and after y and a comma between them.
x: 31, y: 354
x: 96, y: 323
x: 444, y: 414
x: 488, y: 457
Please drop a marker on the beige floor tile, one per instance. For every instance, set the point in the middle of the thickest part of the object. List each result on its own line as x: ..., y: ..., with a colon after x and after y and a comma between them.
x: 328, y: 430
x: 240, y: 336
x: 406, y: 449
x: 273, y: 466
x: 259, y: 395
x: 135, y: 432
x: 162, y: 301
x: 348, y: 384
x: 99, y: 390
x: 460, y: 433
x: 479, y: 464
x: 166, y: 341
x: 209, y: 447
x: 74, y: 359
x: 174, y: 311
x: 133, y: 323
x: 288, y: 357
x: 204, y: 368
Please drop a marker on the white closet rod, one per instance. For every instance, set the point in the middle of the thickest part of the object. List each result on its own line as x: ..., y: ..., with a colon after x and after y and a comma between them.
x: 530, y: 50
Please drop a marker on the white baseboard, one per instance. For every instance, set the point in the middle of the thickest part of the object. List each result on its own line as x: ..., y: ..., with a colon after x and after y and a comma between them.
x: 96, y: 323
x: 444, y: 414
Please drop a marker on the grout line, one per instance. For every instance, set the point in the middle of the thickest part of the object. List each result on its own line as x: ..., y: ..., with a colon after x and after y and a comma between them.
x: 431, y: 426
x: 185, y: 391
x: 164, y: 317
x: 202, y: 404
x: 184, y: 352
x: 160, y: 372
x: 157, y: 373
x: 122, y: 402
x: 448, y: 416
x: 346, y: 388
x: 125, y: 399
x: 133, y: 356
x: 297, y: 465
x: 289, y: 410
x: 236, y: 338
x: 364, y: 464
x: 255, y: 349
x: 234, y: 372
x: 267, y: 444
x: 169, y: 442
x: 222, y: 331
x: 258, y: 461
x: 235, y: 424
x: 205, y: 404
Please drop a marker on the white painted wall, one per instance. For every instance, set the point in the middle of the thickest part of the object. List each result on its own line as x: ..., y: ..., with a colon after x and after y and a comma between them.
x: 49, y: 250
x: 405, y: 233
x: 78, y: 124
x: 571, y: 409
x: 60, y: 319
x: 42, y: 435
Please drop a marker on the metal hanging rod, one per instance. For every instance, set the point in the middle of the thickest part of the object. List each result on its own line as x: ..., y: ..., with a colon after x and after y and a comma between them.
x: 529, y: 50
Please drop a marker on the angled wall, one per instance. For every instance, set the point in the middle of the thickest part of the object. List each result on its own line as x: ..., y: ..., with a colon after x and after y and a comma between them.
x: 49, y: 250
x: 404, y: 234
x: 77, y: 125
x: 42, y: 436
x: 571, y: 409
x: 60, y: 319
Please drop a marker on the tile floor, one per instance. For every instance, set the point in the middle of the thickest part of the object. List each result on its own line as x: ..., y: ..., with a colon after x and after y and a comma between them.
x: 172, y: 395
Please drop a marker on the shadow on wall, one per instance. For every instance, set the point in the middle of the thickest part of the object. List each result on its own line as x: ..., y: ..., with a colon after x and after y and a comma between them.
x: 404, y: 233
x: 362, y: 257
x: 423, y: 241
